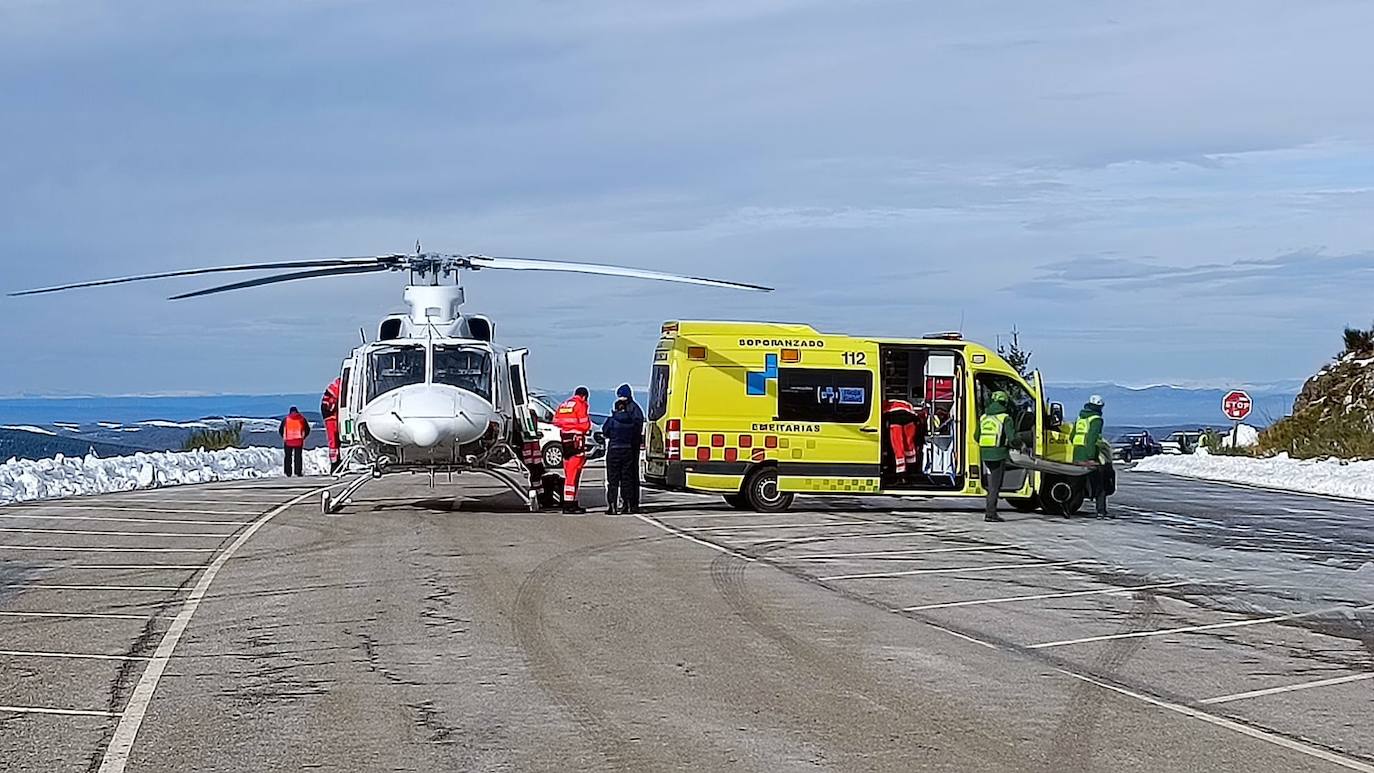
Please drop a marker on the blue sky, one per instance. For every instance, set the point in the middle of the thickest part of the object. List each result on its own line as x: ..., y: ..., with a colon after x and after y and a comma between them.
x: 1152, y: 192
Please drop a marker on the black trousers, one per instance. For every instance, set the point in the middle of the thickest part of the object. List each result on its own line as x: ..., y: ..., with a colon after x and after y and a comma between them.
x: 1097, y: 489
x: 994, y: 472
x: 295, y: 458
x: 622, y: 477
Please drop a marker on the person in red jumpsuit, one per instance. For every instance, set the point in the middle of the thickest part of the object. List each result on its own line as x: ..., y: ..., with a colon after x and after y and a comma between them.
x: 905, y: 425
x: 574, y: 424
x: 329, y: 409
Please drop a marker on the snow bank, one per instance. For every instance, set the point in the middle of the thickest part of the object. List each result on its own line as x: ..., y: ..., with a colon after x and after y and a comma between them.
x: 1311, y: 476
x: 22, y: 480
x: 1245, y: 436
x: 28, y: 428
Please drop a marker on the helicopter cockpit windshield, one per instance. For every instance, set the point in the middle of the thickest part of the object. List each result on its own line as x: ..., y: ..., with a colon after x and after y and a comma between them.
x: 393, y: 367
x: 466, y: 367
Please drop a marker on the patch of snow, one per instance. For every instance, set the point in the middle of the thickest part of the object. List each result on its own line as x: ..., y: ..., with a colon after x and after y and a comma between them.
x: 22, y: 480
x: 109, y: 424
x: 30, y: 428
x: 160, y: 423
x: 67, y: 426
x: 1245, y: 436
x: 1335, y: 477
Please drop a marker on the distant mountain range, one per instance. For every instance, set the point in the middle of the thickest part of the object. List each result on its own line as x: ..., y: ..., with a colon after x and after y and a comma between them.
x: 41, y: 427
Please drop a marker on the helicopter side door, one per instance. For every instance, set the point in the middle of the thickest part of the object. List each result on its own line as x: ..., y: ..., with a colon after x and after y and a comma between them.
x: 520, y: 394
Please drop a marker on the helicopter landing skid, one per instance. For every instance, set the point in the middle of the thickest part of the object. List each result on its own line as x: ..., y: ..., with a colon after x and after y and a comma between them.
x: 330, y: 505
x: 518, y: 485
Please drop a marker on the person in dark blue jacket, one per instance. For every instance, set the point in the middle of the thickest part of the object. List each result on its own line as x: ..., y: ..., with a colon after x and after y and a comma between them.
x: 624, y: 432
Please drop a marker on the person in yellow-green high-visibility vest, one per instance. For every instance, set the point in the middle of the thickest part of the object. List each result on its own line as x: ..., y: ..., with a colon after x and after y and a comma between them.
x: 996, y: 432
x: 1087, y: 434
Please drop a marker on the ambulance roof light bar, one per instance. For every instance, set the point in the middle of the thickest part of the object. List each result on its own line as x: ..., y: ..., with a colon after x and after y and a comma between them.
x: 947, y: 335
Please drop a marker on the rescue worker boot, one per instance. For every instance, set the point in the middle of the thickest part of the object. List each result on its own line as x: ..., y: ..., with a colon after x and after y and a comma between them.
x: 994, y: 518
x: 612, y: 510
x: 572, y: 508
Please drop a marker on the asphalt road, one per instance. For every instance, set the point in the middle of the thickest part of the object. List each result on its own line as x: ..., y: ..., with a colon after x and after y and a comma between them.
x: 212, y: 628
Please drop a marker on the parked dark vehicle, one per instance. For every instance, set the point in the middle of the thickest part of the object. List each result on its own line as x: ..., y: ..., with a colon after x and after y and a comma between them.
x: 1135, y: 445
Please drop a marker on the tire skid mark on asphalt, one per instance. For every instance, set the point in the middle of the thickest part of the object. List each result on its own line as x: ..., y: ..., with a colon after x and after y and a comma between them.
x: 550, y: 670
x: 1121, y: 686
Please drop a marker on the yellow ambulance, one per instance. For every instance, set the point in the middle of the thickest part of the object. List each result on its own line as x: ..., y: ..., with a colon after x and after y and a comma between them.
x: 759, y: 412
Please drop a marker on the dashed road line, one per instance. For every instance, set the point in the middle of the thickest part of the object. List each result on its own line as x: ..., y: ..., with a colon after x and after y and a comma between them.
x: 61, y: 712
x: 117, y: 508
x: 827, y: 537
x: 80, y: 549
x: 687, y: 536
x: 879, y: 555
x: 68, y: 655
x: 1042, y: 596
x: 953, y: 570
x: 1300, y: 747
x: 47, y: 586
x: 751, y: 527
x: 1196, y: 628
x: 122, y: 741
x: 1240, y: 696
x: 76, y: 615
x: 192, y: 521
x: 91, y: 532
x: 116, y: 567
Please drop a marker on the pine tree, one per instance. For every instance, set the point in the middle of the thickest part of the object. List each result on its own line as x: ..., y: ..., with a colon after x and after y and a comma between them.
x: 1014, y: 355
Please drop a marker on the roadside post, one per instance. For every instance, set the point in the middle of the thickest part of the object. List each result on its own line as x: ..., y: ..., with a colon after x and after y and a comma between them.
x: 1236, y: 406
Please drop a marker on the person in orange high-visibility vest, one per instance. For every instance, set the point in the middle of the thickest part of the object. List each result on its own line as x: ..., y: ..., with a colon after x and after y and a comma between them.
x: 329, y: 409
x: 574, y: 424
x: 294, y: 430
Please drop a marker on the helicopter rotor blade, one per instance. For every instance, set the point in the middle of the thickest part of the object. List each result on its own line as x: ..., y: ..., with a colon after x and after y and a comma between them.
x: 277, y: 278
x: 528, y: 264
x: 370, y: 261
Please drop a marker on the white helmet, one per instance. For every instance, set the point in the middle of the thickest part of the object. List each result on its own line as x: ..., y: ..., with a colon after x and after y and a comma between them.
x: 1096, y: 400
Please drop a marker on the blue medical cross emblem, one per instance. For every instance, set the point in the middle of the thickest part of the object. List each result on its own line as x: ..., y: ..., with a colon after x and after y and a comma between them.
x: 756, y: 382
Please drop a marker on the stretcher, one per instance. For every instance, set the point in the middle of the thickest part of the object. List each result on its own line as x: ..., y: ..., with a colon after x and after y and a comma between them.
x: 1026, y: 461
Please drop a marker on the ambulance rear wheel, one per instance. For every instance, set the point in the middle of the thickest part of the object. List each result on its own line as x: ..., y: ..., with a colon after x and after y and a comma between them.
x: 763, y: 493
x: 738, y: 501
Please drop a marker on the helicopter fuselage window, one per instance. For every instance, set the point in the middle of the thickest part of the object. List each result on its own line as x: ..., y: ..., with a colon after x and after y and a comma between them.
x: 465, y: 367
x: 394, y: 367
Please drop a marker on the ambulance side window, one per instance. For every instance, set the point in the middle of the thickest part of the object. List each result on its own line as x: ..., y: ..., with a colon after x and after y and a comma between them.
x: 658, y: 393
x: 343, y: 387
x: 1022, y: 401
x: 823, y: 395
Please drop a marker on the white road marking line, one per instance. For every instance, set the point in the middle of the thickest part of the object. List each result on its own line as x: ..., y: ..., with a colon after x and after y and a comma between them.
x: 699, y: 529
x: 1288, y: 688
x: 72, y: 549
x: 1041, y: 596
x: 1304, y: 511
x: 78, y: 615
x: 139, y: 567
x: 46, y: 586
x: 896, y: 554
x: 684, y: 535
x: 826, y: 537
x: 1194, y: 628
x: 676, y: 516
x: 116, y: 508
x: 955, y: 570
x: 68, y: 655
x: 122, y: 742
x: 122, y: 520
x: 1253, y: 732
x: 204, y: 535
x: 63, y: 712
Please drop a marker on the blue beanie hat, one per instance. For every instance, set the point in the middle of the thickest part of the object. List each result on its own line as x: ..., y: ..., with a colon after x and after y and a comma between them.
x: 624, y: 391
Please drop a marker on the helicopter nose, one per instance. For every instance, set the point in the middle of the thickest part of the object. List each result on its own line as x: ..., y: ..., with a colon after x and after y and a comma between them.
x: 428, y: 415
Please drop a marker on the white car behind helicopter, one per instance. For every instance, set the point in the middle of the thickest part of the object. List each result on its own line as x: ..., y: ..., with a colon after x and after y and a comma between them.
x: 434, y: 393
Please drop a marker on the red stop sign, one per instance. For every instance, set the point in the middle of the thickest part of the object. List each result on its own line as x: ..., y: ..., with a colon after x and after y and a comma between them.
x: 1236, y: 405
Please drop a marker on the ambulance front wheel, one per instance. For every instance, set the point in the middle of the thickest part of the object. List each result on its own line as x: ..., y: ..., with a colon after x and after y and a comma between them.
x: 1061, y: 496
x: 1027, y: 505
x: 763, y: 494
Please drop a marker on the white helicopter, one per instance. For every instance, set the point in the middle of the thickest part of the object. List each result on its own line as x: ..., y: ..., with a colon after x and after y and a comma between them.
x: 435, y: 392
